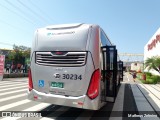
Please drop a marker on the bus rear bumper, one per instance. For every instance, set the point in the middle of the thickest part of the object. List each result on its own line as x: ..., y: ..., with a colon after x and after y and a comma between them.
x: 77, y: 102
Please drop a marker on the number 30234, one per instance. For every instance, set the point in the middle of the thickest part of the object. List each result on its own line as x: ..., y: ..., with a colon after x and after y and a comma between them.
x: 72, y: 76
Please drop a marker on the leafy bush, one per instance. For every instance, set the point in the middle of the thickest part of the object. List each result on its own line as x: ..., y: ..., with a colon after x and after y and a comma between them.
x: 156, y: 78
x: 148, y: 77
x: 143, y: 81
x: 148, y: 74
x: 151, y: 81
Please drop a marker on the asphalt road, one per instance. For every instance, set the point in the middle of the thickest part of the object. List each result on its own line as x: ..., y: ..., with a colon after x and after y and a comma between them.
x: 13, y: 98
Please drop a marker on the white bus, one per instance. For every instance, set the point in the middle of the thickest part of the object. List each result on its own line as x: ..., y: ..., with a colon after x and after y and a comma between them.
x: 73, y: 65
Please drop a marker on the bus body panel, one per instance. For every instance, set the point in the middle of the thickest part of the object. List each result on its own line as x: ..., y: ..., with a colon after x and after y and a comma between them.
x: 56, y: 99
x: 94, y: 45
x: 72, y: 87
x: 75, y: 38
x: 78, y: 102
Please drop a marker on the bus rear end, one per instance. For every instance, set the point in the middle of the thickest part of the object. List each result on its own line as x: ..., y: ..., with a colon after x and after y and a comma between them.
x: 63, y: 69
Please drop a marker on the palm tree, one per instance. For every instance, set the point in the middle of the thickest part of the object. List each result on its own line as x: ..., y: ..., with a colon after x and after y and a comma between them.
x: 153, y: 63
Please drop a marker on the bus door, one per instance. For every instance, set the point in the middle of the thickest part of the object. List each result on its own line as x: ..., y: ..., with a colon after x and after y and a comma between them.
x: 109, y: 73
x: 120, y: 66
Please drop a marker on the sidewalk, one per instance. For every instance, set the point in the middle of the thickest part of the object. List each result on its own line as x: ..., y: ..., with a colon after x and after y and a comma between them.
x: 137, y: 100
x: 14, y: 75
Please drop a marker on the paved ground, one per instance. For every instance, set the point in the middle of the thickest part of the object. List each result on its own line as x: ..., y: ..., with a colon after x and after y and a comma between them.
x: 134, y: 101
x: 146, y: 98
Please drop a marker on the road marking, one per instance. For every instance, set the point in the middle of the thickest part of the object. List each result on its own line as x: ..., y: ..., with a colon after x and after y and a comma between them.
x: 5, y: 93
x: 7, y: 82
x: 37, y: 107
x: 13, y: 88
x: 12, y: 85
x: 154, y: 91
x: 12, y: 97
x: 155, y: 102
x: 34, y: 108
x: 141, y: 102
x: 8, y: 118
x: 46, y: 118
x: 5, y: 107
x: 156, y: 87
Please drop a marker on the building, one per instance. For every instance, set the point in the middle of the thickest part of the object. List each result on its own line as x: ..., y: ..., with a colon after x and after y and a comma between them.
x: 4, y: 51
x: 137, y: 66
x: 152, y: 48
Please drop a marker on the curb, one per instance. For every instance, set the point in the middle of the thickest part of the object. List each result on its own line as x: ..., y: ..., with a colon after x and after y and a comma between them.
x: 15, y: 75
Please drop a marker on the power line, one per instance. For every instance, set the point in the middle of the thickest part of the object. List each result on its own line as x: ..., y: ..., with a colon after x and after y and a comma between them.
x: 16, y: 13
x: 32, y: 11
x: 33, y: 4
x: 17, y: 8
x: 10, y: 25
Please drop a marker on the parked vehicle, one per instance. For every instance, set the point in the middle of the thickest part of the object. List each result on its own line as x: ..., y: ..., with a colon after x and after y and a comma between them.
x: 73, y: 65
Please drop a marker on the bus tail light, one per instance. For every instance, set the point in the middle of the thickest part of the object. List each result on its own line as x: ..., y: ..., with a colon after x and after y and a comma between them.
x: 93, y: 89
x: 30, y: 80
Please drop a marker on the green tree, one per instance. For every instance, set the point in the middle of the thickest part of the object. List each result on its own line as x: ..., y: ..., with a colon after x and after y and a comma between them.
x: 153, y: 63
x: 19, y: 54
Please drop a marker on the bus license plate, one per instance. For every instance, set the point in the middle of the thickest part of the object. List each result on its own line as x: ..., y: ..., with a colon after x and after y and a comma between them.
x: 57, y: 84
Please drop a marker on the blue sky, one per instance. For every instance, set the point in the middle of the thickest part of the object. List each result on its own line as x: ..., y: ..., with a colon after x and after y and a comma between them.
x: 128, y: 23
